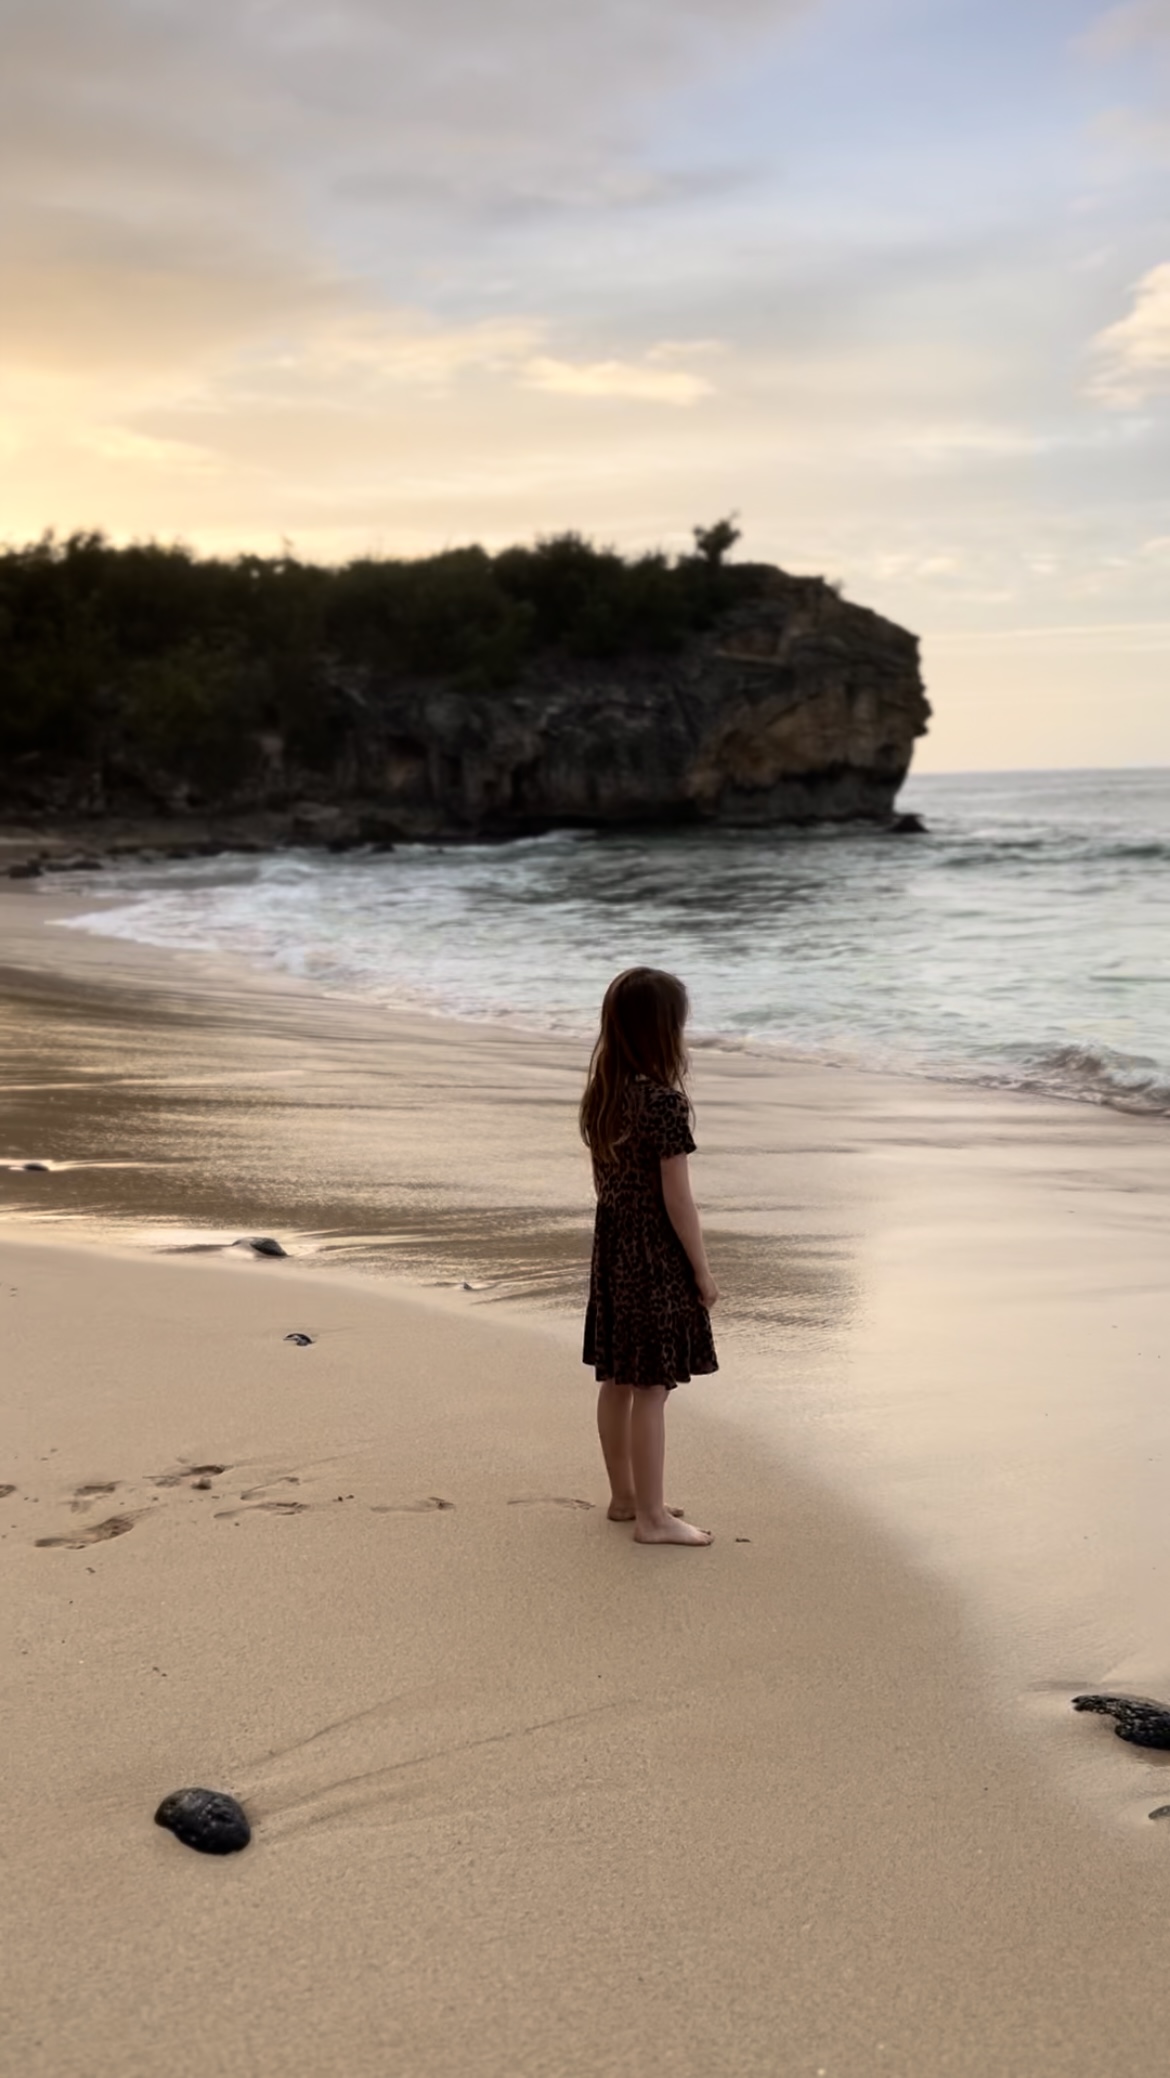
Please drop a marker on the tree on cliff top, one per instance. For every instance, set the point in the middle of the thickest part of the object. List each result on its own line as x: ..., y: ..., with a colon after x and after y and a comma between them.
x: 715, y: 542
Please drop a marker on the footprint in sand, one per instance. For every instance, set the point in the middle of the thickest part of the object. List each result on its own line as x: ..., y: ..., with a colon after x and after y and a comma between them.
x: 93, y: 1533
x: 548, y: 1501
x: 255, y: 1504
x: 5, y: 1491
x: 264, y: 1508
x: 84, y: 1497
x: 97, y: 1490
x: 424, y: 1507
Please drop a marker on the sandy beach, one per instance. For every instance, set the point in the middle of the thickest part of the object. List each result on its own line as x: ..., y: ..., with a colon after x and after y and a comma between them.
x: 526, y: 1797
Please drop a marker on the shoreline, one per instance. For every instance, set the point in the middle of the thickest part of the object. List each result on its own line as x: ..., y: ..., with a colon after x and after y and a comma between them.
x: 32, y: 846
x: 526, y: 1797
x: 909, y: 1017
x: 934, y: 1295
x: 67, y: 905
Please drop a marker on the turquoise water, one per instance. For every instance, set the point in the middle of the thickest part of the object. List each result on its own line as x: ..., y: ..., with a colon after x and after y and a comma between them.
x: 1024, y: 941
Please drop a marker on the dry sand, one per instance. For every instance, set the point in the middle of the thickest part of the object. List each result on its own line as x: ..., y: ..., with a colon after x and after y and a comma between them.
x: 528, y: 1798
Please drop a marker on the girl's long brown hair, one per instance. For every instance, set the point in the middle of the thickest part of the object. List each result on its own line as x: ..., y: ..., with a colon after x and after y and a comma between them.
x: 642, y: 1020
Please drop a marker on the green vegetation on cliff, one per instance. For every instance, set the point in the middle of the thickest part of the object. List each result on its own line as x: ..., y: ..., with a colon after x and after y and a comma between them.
x: 153, y: 657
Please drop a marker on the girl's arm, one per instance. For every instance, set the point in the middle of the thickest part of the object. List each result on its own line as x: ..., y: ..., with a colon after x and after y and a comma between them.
x: 684, y: 1218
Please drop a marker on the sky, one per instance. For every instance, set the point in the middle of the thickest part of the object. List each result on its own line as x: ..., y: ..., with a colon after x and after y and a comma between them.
x: 889, y: 279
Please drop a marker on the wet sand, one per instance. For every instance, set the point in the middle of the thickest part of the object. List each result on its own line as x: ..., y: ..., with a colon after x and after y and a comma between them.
x: 527, y: 1798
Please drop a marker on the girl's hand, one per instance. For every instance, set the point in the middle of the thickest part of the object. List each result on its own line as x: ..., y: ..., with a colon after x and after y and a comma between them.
x: 708, y: 1290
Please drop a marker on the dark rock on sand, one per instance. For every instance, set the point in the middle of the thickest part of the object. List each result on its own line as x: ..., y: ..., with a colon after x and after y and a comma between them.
x: 302, y: 1341
x: 261, y: 1244
x: 206, y: 1819
x: 1139, y: 1719
x: 35, y: 1168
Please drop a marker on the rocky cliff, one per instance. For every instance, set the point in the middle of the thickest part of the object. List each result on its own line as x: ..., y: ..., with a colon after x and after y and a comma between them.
x: 792, y: 705
x: 796, y: 707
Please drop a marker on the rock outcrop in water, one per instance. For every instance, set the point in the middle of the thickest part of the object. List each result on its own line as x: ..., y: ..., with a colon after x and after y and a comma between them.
x: 458, y: 696
x: 797, y: 706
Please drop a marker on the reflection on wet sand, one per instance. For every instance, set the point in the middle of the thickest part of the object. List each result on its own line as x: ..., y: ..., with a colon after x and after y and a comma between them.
x: 953, y: 1301
x: 157, y: 1124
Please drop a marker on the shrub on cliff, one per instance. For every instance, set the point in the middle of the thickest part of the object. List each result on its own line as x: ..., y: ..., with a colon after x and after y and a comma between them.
x: 193, y: 713
x: 173, y: 663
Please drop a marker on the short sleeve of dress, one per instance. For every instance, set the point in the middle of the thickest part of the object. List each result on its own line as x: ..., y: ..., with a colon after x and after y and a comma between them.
x: 668, y: 1124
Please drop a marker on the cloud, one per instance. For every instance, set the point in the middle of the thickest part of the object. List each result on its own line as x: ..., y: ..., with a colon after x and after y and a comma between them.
x: 1135, y: 134
x: 1129, y: 27
x: 641, y: 382
x: 389, y: 273
x: 318, y: 183
x: 1133, y: 355
x: 449, y: 105
x: 118, y: 444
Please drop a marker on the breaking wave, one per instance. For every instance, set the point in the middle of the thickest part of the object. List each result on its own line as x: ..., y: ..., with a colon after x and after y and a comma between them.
x: 1097, y: 1075
x: 1024, y: 943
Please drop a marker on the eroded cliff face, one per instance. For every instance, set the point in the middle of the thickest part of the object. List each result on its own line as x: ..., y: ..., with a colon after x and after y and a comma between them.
x: 798, y: 706
x: 794, y: 706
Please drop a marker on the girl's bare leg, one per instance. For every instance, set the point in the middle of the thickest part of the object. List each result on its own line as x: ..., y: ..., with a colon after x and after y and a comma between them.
x: 613, y: 1427
x: 653, y: 1521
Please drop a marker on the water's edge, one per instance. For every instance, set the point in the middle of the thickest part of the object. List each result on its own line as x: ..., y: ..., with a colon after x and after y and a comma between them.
x: 1023, y: 944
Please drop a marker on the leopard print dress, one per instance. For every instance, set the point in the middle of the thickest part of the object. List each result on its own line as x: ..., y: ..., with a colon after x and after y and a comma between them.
x: 645, y: 1323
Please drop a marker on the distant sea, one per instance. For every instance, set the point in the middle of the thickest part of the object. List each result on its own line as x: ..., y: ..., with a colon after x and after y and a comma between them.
x: 1024, y: 941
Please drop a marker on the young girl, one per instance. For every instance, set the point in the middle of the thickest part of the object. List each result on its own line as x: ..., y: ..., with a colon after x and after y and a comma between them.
x: 648, y: 1325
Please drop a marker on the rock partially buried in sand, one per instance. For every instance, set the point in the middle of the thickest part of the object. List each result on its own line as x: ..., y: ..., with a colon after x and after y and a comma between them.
x: 1140, y: 1719
x: 35, y: 1168
x: 206, y: 1819
x: 302, y: 1341
x: 261, y: 1244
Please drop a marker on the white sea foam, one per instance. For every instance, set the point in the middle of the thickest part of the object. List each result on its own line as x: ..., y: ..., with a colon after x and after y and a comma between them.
x: 1025, y: 942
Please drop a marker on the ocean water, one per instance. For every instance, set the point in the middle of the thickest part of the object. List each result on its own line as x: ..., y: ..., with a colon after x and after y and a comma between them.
x: 1024, y: 941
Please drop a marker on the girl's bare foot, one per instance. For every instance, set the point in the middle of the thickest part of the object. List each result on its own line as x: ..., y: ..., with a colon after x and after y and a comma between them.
x: 625, y: 1511
x: 670, y: 1530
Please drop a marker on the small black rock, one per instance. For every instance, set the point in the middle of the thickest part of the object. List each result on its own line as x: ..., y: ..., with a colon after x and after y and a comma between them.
x: 1139, y: 1719
x: 907, y: 825
x: 302, y: 1341
x: 206, y: 1819
x: 35, y: 1168
x: 263, y: 1244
